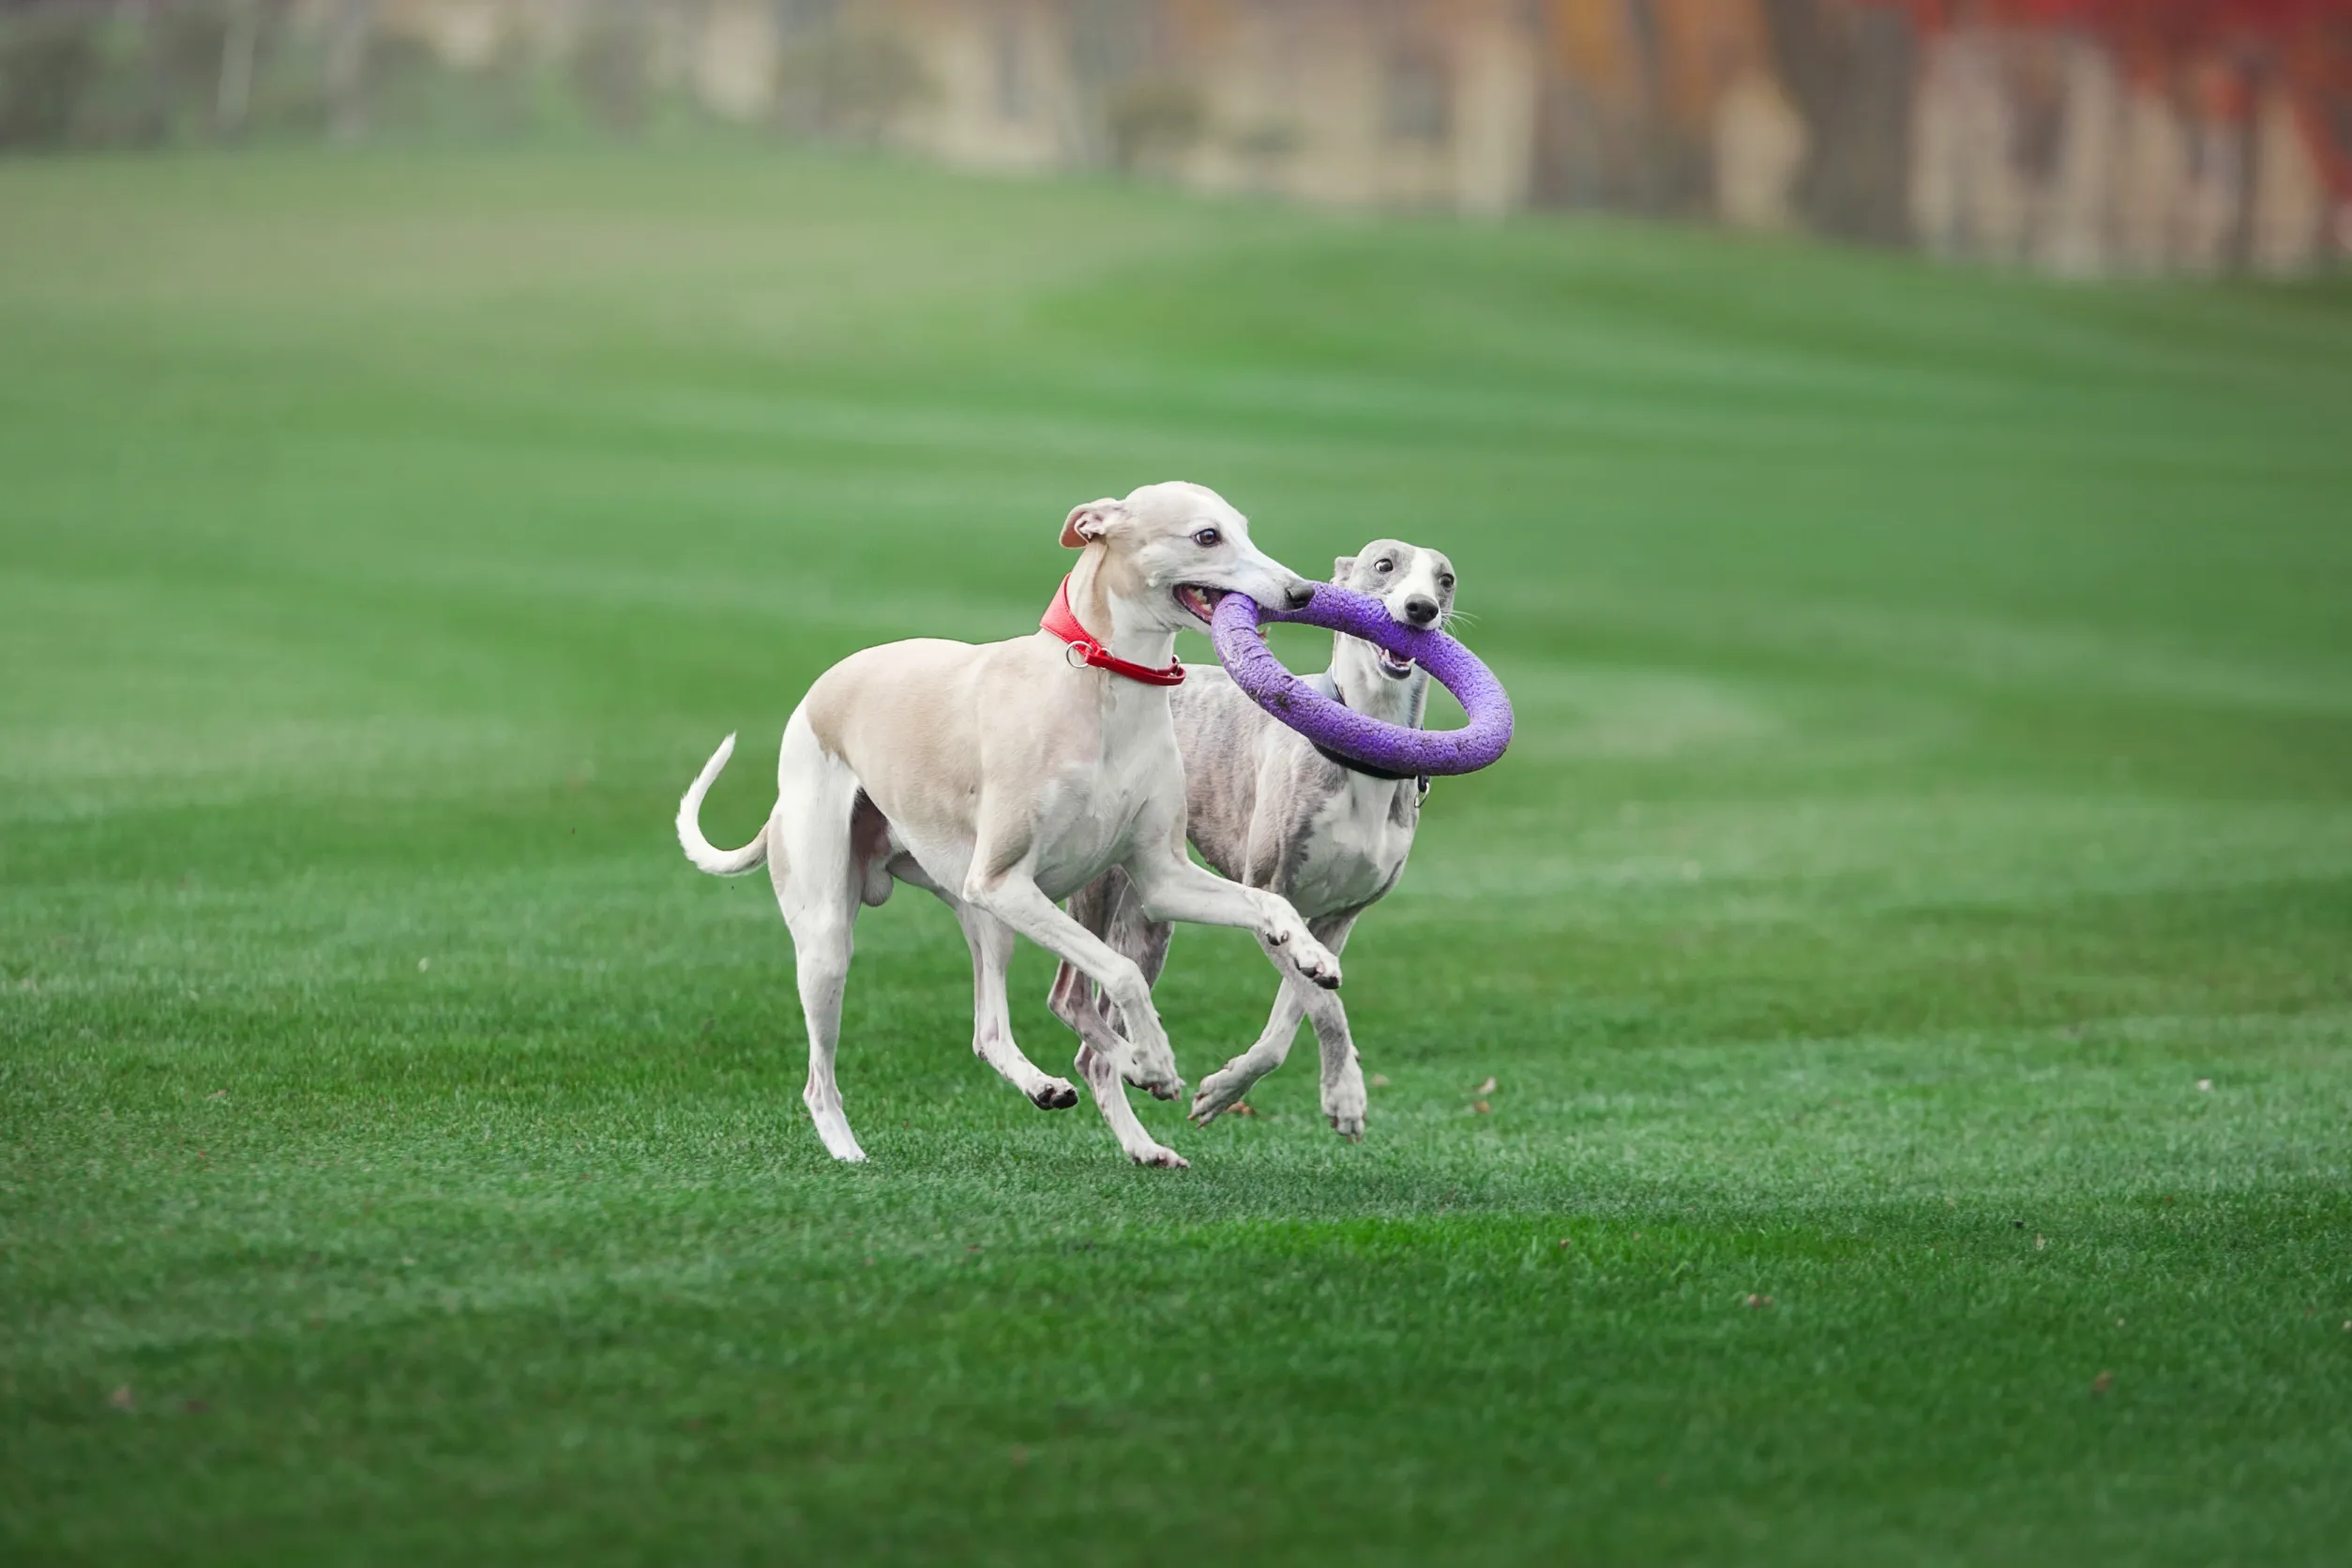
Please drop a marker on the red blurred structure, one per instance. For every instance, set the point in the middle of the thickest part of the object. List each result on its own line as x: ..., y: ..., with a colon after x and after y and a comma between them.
x: 2217, y: 54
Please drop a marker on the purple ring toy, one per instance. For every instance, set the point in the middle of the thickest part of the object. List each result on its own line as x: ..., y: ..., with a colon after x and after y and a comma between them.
x: 1392, y: 749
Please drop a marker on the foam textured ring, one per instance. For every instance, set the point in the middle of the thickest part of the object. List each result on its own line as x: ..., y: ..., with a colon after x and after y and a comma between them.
x: 1393, y: 748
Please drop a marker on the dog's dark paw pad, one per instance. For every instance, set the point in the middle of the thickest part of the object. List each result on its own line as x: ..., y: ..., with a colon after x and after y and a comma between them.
x: 1054, y: 1096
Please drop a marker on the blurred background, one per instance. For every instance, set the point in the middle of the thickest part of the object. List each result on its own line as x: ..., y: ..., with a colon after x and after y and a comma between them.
x: 2083, y: 137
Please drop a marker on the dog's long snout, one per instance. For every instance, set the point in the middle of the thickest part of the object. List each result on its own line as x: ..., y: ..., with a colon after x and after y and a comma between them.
x: 1421, y: 610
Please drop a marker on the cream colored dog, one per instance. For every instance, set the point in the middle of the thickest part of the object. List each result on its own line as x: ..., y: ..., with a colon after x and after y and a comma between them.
x: 1006, y: 777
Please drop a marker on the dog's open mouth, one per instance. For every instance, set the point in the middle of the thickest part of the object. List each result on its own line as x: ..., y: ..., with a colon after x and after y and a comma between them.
x: 1394, y: 667
x: 1202, y: 603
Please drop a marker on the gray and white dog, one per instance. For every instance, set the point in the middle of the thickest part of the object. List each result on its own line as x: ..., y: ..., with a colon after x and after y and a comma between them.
x: 1269, y: 808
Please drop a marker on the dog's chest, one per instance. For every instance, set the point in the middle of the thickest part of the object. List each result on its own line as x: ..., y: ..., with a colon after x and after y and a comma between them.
x: 1350, y: 850
x: 1089, y: 813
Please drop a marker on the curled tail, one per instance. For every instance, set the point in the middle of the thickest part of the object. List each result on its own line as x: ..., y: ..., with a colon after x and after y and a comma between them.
x: 706, y: 855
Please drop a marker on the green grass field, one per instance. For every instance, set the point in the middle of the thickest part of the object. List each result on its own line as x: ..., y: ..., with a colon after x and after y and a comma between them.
x: 1920, y: 892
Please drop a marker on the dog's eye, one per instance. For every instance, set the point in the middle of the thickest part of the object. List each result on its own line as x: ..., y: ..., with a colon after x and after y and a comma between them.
x: 1384, y: 565
x: 1445, y: 580
x: 1208, y: 538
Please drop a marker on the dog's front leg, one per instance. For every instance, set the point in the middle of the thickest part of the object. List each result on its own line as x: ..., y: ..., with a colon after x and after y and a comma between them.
x: 1144, y: 1057
x: 1343, y: 1076
x: 1222, y: 1089
x: 1173, y: 888
x: 991, y: 944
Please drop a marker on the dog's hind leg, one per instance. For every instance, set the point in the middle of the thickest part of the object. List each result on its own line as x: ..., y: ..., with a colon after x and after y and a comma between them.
x: 991, y: 942
x: 818, y: 883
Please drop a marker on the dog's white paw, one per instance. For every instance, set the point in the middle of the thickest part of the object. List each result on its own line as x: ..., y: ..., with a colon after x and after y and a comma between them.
x: 1151, y: 1066
x: 1315, y: 962
x: 1159, y: 1158
x: 1345, y: 1102
x: 1161, y: 1082
x: 1219, y: 1091
x: 834, y: 1128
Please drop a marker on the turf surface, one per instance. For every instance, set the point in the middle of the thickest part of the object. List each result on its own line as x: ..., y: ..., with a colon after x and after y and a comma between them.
x: 1921, y: 893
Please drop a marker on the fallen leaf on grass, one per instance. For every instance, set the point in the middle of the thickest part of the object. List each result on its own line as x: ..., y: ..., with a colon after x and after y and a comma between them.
x: 1379, y: 1080
x: 197, y: 1407
x: 2102, y: 1383
x: 1241, y: 1108
x: 121, y: 1398
x: 1020, y: 1454
x: 1486, y: 1087
x: 1760, y: 1301
x: 2205, y: 1086
x: 2040, y: 1241
x: 1482, y: 1108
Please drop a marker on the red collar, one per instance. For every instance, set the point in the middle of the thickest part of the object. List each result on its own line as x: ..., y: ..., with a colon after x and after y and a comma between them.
x: 1063, y: 623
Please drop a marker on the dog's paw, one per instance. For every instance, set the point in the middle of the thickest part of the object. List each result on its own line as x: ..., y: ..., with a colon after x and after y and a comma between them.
x: 1159, y: 1158
x: 1219, y: 1091
x: 1345, y: 1102
x: 1154, y: 1073
x: 1148, y: 1062
x: 1316, y: 962
x: 1054, y: 1094
x: 1158, y: 1080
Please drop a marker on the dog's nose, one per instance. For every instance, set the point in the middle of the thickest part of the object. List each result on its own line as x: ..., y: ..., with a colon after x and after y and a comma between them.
x: 1421, y: 610
x: 1299, y: 595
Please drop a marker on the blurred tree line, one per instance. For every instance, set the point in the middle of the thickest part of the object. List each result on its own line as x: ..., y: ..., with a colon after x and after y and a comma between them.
x: 154, y: 72
x: 2085, y: 136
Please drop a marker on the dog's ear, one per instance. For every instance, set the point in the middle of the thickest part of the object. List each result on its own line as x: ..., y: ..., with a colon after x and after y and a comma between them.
x: 1342, y: 570
x: 1087, y: 523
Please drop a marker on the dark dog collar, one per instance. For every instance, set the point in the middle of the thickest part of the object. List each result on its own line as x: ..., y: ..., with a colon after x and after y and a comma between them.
x: 1368, y: 770
x: 1330, y: 688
